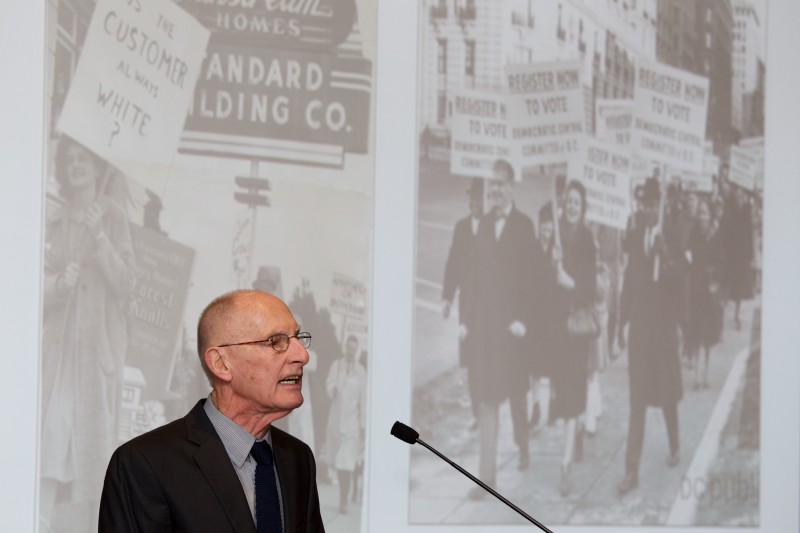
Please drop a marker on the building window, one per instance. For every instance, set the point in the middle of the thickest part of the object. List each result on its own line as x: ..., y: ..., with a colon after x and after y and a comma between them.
x: 441, y: 56
x: 530, y: 13
x: 469, y: 63
x: 439, y: 11
x: 466, y: 11
x: 561, y: 34
x: 708, y: 40
x: 469, y: 58
x: 441, y: 107
x: 524, y: 20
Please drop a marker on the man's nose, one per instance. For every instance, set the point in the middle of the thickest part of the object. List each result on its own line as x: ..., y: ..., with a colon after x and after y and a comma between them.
x: 299, y: 352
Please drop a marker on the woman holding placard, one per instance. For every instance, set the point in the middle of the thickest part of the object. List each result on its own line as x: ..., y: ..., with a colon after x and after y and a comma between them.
x: 88, y: 263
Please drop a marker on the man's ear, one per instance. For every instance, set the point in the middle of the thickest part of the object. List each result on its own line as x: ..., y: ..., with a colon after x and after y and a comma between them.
x: 218, y: 364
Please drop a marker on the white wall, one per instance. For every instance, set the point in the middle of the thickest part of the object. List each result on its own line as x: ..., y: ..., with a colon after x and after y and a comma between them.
x: 21, y: 200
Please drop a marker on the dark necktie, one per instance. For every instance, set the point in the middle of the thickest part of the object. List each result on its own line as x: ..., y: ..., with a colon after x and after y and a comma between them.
x: 268, y: 508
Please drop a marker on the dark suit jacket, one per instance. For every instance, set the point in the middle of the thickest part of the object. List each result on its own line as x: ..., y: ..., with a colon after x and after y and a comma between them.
x: 459, y: 270
x: 652, y: 312
x: 179, y: 478
x: 508, y: 272
x: 460, y: 275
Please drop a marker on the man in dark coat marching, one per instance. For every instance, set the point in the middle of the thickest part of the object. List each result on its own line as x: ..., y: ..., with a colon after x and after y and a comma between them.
x: 504, y: 319
x: 650, y: 304
x: 460, y: 276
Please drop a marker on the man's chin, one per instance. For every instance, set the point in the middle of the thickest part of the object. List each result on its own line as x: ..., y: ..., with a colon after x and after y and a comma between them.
x: 292, y: 404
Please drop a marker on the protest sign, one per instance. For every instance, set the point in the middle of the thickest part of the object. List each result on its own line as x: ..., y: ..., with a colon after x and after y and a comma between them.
x: 156, y: 304
x: 605, y: 170
x: 613, y: 121
x: 742, y: 170
x: 703, y: 181
x: 756, y: 147
x: 480, y: 133
x: 547, y: 110
x: 348, y: 296
x: 131, y: 89
x: 669, y: 116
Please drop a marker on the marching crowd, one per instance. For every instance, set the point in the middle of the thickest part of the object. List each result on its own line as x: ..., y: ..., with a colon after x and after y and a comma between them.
x: 540, y: 313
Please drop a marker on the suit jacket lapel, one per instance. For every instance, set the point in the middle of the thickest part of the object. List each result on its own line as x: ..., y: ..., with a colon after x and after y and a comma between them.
x: 213, y: 460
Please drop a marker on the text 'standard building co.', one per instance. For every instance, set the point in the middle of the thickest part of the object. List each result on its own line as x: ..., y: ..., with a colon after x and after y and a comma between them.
x: 283, y: 81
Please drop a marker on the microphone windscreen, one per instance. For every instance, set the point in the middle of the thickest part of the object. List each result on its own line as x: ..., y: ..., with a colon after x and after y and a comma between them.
x: 404, y: 433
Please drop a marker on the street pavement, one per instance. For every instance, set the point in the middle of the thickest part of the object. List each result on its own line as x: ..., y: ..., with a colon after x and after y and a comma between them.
x: 442, y: 413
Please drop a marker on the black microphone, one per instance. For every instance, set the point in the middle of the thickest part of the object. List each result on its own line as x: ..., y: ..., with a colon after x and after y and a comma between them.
x: 409, y: 435
x: 404, y: 433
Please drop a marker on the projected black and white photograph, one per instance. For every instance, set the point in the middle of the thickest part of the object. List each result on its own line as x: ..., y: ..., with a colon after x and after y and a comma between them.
x: 195, y: 148
x: 587, y: 305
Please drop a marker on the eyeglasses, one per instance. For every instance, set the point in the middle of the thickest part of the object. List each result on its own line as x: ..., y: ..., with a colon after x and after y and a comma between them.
x: 278, y: 342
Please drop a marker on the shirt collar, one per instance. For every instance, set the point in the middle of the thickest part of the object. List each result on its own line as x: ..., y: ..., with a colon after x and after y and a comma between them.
x: 237, y: 441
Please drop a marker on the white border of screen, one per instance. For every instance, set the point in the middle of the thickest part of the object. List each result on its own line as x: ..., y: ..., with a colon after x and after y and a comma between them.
x: 23, y: 27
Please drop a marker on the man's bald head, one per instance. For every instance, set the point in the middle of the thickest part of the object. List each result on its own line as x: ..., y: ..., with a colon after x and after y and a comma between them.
x: 255, y: 381
x: 223, y: 319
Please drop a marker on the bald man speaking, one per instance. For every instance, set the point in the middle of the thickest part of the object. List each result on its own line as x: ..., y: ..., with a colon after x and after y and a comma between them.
x: 223, y: 467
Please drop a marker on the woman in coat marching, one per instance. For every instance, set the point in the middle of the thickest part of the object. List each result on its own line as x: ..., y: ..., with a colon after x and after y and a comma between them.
x: 576, y: 277
x: 704, y: 324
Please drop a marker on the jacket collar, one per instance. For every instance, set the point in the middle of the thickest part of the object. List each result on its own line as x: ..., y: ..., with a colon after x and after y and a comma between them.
x: 212, y: 459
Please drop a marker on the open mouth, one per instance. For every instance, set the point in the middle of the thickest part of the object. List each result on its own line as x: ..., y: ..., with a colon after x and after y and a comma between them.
x: 291, y: 380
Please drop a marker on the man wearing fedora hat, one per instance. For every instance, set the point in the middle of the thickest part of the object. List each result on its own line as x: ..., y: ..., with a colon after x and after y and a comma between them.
x: 652, y: 315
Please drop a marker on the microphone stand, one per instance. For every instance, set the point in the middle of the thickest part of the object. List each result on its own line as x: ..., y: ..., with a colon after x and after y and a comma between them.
x: 485, y: 487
